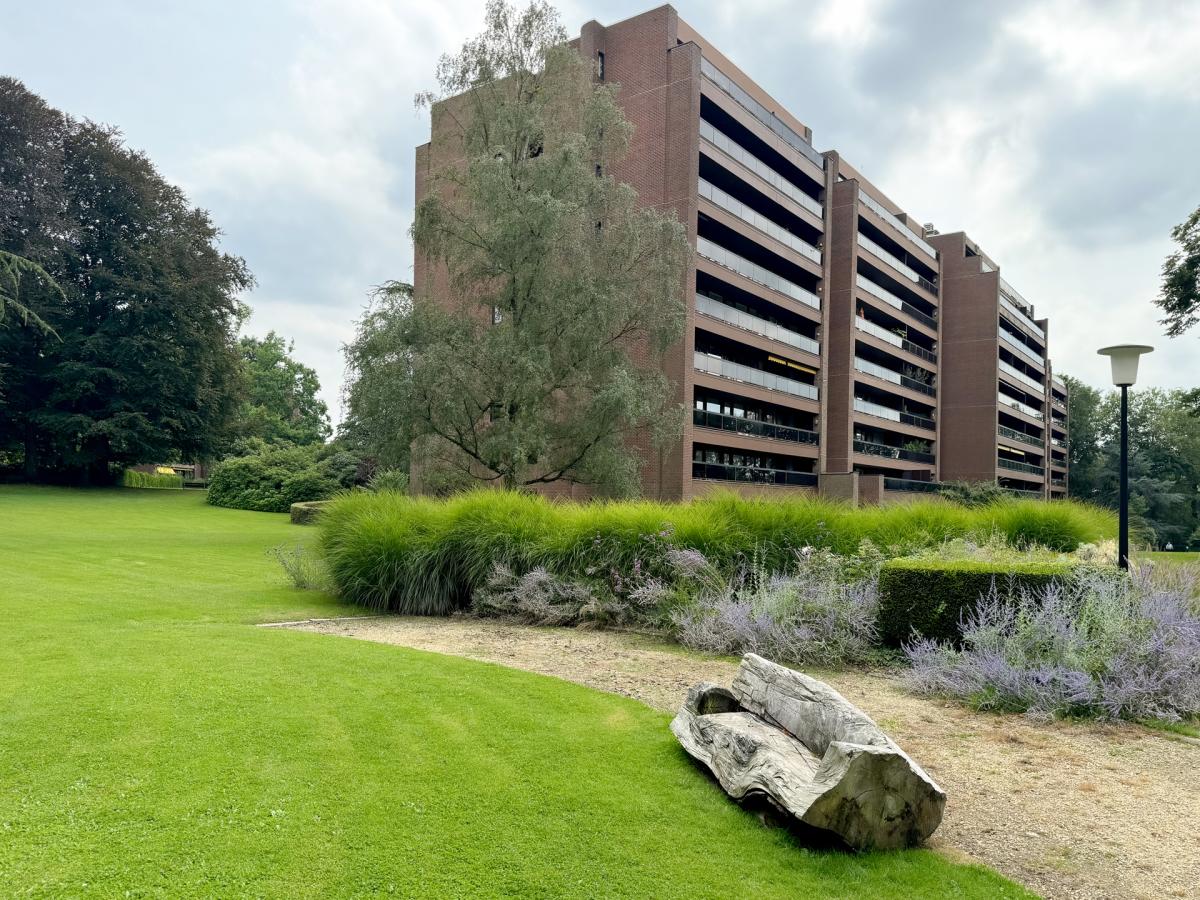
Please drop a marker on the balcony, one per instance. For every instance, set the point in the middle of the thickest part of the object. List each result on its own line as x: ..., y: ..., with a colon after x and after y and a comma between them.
x: 889, y: 452
x: 714, y: 309
x: 866, y: 325
x: 1017, y: 346
x: 1019, y: 307
x: 1021, y: 467
x: 753, y: 427
x: 892, y: 415
x: 1013, y: 435
x: 757, y: 220
x: 911, y: 484
x: 880, y: 210
x: 895, y: 302
x: 1033, y: 383
x: 755, y: 272
x: 1057, y: 443
x: 1026, y: 493
x: 1018, y: 405
x: 877, y: 371
x: 723, y: 368
x: 760, y: 112
x: 752, y: 474
x: 1058, y: 482
x: 896, y: 263
x: 741, y: 155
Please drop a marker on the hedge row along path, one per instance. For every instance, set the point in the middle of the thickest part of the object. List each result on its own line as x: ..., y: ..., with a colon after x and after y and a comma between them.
x: 1070, y: 810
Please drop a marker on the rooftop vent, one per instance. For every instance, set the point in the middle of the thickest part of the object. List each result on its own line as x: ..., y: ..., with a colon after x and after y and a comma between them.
x: 930, y: 231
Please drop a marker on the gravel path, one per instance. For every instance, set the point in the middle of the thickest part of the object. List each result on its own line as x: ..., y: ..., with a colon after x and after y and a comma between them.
x: 1071, y: 810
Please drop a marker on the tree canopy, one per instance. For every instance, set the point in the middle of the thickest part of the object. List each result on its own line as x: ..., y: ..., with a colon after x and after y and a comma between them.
x: 281, y: 403
x: 143, y: 363
x: 535, y: 359
x: 1180, y: 295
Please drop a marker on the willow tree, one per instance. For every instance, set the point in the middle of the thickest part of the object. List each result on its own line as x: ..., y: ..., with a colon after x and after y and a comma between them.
x: 537, y: 355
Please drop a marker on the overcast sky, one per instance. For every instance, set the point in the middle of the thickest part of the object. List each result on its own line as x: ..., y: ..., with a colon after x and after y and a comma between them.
x: 1063, y: 136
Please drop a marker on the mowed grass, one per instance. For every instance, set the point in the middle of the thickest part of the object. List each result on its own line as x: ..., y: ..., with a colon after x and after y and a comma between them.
x: 154, y: 744
x: 1177, y: 557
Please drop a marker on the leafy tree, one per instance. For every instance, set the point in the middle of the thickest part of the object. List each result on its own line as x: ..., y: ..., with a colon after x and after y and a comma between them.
x: 281, y: 404
x: 21, y: 278
x: 1083, y: 436
x: 145, y: 364
x: 536, y: 360
x: 1180, y: 295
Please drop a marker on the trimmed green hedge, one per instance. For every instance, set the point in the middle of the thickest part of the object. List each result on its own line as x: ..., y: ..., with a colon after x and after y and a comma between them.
x: 420, y: 555
x: 929, y: 597
x: 307, y: 513
x: 135, y: 479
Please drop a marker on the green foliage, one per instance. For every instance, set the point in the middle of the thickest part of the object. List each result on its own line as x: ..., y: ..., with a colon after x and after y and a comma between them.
x: 281, y: 403
x: 303, y: 568
x: 389, y: 480
x: 519, y: 370
x: 271, y: 481
x: 973, y: 493
x: 125, y: 733
x: 930, y: 596
x: 308, y: 512
x: 420, y: 555
x: 142, y: 363
x: 1180, y: 296
x: 136, y: 479
x: 21, y: 278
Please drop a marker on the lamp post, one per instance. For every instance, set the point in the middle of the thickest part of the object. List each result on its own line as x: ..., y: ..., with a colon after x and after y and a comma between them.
x: 1124, y: 358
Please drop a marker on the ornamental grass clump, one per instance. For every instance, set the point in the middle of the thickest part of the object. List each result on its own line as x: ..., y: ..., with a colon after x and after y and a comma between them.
x: 1098, y: 645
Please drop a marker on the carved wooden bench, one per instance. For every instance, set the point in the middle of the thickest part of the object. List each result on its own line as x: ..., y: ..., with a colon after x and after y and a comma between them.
x: 795, y: 742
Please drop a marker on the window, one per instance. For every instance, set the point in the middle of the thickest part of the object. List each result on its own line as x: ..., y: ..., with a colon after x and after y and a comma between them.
x: 600, y: 65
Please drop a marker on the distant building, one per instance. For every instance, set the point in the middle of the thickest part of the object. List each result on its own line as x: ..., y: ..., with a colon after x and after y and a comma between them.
x: 833, y: 343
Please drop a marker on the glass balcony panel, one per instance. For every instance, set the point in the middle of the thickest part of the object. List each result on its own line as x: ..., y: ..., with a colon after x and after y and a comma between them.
x: 1019, y: 307
x: 747, y: 375
x: 894, y: 415
x: 749, y: 322
x: 911, y: 484
x: 752, y: 427
x: 889, y: 452
x: 760, y: 112
x: 752, y: 474
x: 1020, y: 466
x: 1014, y: 435
x: 1017, y: 346
x: 737, y: 152
x: 1016, y: 373
x: 755, y: 219
x: 915, y: 239
x: 1017, y: 404
x: 870, y: 368
x: 895, y: 262
x: 755, y: 272
x: 892, y: 300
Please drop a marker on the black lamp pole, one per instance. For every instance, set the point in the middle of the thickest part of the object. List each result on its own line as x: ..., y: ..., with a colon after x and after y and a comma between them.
x: 1123, y: 523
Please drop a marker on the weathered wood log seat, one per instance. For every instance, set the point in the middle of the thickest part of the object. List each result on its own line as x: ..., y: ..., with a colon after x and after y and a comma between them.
x: 795, y: 742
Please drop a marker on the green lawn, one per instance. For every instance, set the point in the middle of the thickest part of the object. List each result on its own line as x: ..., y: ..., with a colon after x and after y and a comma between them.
x: 153, y: 743
x: 1178, y: 557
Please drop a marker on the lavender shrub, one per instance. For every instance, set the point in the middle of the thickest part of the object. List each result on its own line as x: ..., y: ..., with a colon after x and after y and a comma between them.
x: 822, y: 611
x: 1100, y: 645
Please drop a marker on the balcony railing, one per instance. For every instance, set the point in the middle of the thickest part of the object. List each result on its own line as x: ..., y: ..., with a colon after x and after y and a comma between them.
x: 1062, y: 404
x: 1059, y: 383
x: 751, y: 474
x: 896, y: 263
x: 747, y: 375
x: 880, y: 210
x: 870, y: 368
x: 755, y: 272
x: 863, y: 324
x: 1057, y: 443
x: 1016, y: 373
x: 753, y: 427
x: 1028, y: 493
x: 1020, y: 307
x: 1013, y: 310
x: 1017, y: 404
x: 1058, y: 482
x: 892, y: 300
x: 740, y: 154
x: 760, y: 112
x: 911, y: 484
x: 889, y: 452
x: 755, y: 219
x: 1017, y: 346
x: 1013, y: 435
x: 893, y: 415
x: 748, y: 322
x: 1020, y: 466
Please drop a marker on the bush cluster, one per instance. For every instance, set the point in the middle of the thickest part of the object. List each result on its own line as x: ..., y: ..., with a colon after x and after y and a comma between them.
x: 417, y: 555
x: 272, y: 478
x: 135, y: 479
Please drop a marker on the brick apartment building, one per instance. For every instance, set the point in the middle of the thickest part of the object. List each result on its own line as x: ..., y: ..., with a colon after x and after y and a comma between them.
x: 833, y: 343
